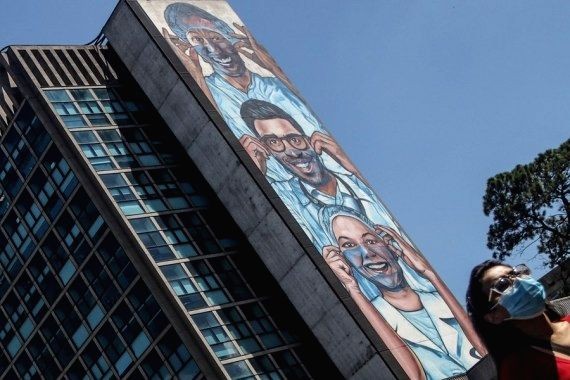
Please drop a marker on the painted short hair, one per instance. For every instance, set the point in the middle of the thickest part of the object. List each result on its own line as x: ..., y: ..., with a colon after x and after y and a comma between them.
x: 327, y: 215
x: 254, y: 109
x: 177, y: 15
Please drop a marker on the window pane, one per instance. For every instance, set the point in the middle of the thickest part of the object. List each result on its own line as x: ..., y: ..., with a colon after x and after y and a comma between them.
x: 81, y: 94
x: 57, y: 95
x: 73, y: 121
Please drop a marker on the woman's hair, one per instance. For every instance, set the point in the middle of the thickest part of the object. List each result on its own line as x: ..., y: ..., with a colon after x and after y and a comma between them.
x: 501, y: 339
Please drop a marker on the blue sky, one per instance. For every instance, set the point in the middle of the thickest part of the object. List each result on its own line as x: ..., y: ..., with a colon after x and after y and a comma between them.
x: 429, y: 98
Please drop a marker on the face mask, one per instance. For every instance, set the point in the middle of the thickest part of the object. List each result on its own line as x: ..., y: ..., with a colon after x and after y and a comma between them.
x: 525, y: 299
x: 382, y: 269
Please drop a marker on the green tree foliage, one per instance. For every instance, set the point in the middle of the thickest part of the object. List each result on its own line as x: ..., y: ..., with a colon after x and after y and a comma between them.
x: 531, y: 206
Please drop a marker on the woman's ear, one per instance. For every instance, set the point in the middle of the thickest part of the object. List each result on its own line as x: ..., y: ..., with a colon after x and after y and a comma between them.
x: 497, y: 315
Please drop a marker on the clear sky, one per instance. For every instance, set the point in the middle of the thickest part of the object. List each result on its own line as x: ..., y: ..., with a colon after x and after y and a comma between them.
x: 429, y: 98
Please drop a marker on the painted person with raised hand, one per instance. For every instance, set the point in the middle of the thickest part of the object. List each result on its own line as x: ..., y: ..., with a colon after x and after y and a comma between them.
x: 213, y: 53
x: 312, y: 185
x: 411, y: 299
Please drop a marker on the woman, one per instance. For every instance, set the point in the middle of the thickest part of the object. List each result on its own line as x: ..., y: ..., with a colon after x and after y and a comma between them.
x: 525, y: 336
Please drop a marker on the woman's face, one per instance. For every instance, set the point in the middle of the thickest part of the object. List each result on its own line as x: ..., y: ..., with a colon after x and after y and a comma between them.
x: 490, y: 277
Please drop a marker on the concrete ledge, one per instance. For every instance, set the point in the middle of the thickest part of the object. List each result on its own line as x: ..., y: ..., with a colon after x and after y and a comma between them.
x: 152, y: 74
x: 271, y: 233
x: 133, y: 37
x: 214, y: 158
x: 347, y: 347
x: 184, y: 115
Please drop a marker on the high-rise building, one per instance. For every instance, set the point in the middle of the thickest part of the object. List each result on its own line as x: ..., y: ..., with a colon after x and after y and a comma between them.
x: 172, y: 208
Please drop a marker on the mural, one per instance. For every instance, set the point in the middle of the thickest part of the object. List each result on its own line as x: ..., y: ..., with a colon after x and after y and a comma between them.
x: 395, y: 287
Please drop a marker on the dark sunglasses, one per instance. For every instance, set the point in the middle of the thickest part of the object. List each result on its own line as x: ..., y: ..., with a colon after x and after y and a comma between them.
x: 503, y: 283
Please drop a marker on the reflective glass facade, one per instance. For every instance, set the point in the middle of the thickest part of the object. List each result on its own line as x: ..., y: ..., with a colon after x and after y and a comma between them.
x: 182, y: 227
x: 71, y: 302
x: 117, y: 259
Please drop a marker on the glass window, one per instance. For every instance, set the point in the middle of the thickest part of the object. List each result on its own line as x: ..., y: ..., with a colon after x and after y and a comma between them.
x: 81, y: 94
x: 113, y: 180
x: 10, y: 180
x: 97, y: 156
x: 86, y: 213
x: 112, y: 106
x: 109, y: 135
x: 85, y: 137
x: 265, y: 368
x: 179, y: 280
x: 104, y: 93
x: 155, y: 367
x: 26, y: 328
x: 262, y: 326
x: 24, y: 160
x: 18, y: 234
x: 45, y: 193
x: 32, y: 129
x: 67, y: 272
x: 230, y: 278
x: 95, y: 316
x: 57, y: 95
x: 98, y: 120
x: 131, y: 208
x: 89, y: 108
x: 93, y: 150
x: 37, y: 137
x: 239, y: 370
x: 67, y: 108
x: 74, y: 121
x: 12, y: 140
x: 123, y: 363
x: 200, y: 232
x: 80, y: 336
x: 143, y: 225
x: 140, y: 344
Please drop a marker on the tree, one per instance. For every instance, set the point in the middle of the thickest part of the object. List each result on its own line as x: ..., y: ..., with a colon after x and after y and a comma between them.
x: 531, y: 207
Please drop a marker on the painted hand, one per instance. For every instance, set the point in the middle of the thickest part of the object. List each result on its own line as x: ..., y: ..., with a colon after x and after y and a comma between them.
x: 407, y: 252
x: 256, y: 150
x: 187, y: 52
x: 250, y: 48
x: 324, y: 143
x: 340, y: 267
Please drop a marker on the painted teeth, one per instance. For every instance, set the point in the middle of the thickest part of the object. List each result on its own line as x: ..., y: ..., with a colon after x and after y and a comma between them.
x: 377, y: 266
x: 302, y: 166
x: 224, y: 60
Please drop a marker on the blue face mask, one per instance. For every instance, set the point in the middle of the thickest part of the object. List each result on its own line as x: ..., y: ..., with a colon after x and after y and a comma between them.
x: 524, y: 299
x: 377, y: 264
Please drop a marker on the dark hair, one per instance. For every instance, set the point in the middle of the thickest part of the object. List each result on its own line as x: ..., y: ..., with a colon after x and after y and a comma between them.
x: 477, y: 302
x: 176, y: 13
x: 254, y: 109
x: 502, y: 339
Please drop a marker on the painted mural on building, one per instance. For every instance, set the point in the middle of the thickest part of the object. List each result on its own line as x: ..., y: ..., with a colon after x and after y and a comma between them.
x: 395, y: 287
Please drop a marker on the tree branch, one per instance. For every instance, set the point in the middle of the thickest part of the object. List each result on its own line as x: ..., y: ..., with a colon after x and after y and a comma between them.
x: 531, y: 243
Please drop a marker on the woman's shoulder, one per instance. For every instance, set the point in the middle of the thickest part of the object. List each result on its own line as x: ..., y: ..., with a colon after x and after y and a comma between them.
x: 519, y: 364
x: 530, y: 362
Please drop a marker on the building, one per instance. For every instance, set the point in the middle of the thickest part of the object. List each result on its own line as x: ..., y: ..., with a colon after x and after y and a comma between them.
x: 556, y: 281
x: 173, y: 209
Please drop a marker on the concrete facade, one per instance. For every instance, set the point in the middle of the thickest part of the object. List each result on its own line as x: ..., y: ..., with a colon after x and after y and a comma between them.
x: 309, y: 284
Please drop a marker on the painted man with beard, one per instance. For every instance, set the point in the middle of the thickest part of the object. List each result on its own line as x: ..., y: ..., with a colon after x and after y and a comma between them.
x: 312, y: 185
x: 200, y: 36
x: 411, y: 300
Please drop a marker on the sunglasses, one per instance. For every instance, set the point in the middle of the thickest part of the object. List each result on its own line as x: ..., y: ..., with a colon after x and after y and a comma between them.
x: 277, y: 144
x: 503, y: 283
